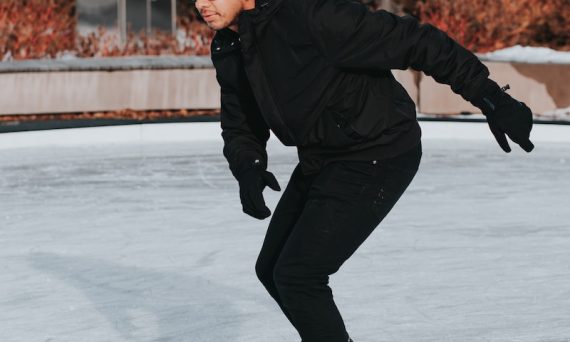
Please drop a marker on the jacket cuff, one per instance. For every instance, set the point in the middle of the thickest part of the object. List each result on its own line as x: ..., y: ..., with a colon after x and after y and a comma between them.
x: 246, y: 160
x: 485, y: 88
x: 481, y: 97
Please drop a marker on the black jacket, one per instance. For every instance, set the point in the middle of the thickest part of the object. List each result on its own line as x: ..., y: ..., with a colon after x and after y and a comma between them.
x: 318, y: 74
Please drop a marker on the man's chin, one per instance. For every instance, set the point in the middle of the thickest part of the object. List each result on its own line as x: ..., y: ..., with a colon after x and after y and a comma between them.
x: 215, y: 26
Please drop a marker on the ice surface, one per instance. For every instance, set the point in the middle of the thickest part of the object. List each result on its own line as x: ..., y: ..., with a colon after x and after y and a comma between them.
x: 147, y: 242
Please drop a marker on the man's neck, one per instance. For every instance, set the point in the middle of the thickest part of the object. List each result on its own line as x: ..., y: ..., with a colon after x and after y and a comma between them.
x: 248, y: 4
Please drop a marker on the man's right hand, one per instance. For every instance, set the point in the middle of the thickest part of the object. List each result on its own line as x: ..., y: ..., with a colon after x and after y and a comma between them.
x: 251, y: 185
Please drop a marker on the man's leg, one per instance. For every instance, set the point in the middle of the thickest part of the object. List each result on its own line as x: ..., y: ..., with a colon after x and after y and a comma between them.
x: 345, y: 203
x: 282, y: 221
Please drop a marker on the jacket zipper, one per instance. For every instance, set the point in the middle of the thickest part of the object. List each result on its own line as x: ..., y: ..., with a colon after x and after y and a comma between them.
x: 271, y: 92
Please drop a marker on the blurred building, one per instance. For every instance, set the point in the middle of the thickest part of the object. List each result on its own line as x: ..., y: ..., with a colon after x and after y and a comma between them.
x: 124, y: 15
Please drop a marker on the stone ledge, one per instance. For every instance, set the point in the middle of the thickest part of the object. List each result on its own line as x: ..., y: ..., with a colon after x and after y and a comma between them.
x: 107, y: 64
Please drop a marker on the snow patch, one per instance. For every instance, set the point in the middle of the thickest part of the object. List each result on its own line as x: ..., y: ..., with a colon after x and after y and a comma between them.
x: 559, y: 114
x: 527, y: 54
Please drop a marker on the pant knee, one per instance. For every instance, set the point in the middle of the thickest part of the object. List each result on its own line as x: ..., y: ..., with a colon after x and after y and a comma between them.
x: 264, y: 272
x: 296, y: 276
x: 282, y: 273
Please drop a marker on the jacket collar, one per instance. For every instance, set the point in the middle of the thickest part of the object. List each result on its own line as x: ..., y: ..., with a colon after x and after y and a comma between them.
x: 262, y: 10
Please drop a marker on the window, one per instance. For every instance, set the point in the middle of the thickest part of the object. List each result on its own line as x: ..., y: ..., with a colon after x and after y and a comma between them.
x: 96, y: 13
x: 124, y: 15
x: 163, y: 15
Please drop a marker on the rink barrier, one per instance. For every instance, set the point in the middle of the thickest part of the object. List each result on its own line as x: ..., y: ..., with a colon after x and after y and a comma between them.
x: 189, y: 82
x: 108, y: 84
x: 542, y: 86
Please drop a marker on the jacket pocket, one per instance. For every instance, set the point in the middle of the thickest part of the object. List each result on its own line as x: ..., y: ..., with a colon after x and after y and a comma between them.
x: 331, y: 130
x: 346, y: 126
x: 365, y: 111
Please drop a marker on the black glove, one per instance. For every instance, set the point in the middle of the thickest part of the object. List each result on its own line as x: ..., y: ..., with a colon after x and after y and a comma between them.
x: 505, y: 115
x: 251, y: 184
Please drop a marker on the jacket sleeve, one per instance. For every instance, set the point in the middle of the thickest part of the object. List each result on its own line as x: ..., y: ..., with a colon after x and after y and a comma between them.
x: 352, y: 36
x: 244, y: 130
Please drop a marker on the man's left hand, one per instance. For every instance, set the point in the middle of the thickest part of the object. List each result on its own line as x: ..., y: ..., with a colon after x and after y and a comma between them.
x: 507, y: 116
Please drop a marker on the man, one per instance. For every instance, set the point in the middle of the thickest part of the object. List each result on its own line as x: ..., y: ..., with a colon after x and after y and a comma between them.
x: 317, y: 73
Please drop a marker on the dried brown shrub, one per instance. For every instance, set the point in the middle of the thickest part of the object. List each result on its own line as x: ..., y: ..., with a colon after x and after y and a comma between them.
x: 36, y: 28
x: 486, y: 25
x: 47, y: 29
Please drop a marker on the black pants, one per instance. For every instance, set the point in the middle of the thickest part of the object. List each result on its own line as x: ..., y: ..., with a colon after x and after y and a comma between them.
x: 319, y: 222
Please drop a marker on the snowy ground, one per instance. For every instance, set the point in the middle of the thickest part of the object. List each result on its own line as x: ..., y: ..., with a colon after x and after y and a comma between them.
x: 147, y: 242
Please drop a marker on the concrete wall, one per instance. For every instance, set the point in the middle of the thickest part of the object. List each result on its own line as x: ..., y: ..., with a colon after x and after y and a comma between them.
x: 151, y: 84
x: 543, y: 87
x: 86, y: 91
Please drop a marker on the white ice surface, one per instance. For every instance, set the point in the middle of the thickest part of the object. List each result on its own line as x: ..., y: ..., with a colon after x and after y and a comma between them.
x: 192, y: 131
x: 146, y: 241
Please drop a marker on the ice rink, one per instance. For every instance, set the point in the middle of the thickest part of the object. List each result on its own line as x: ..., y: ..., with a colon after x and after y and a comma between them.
x: 146, y: 241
